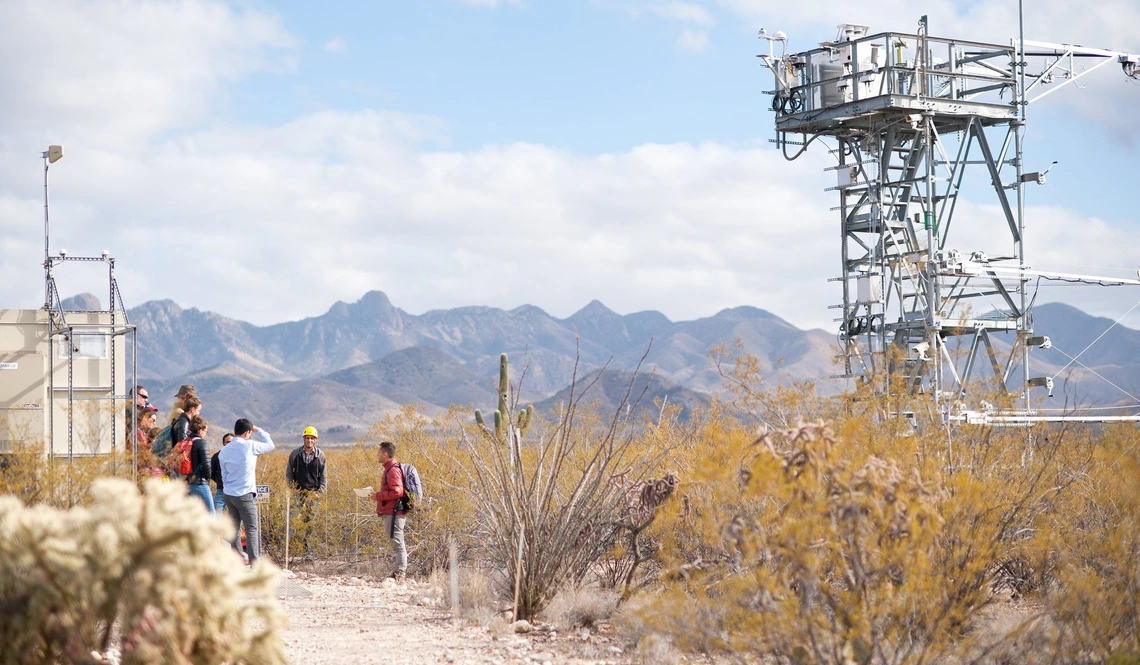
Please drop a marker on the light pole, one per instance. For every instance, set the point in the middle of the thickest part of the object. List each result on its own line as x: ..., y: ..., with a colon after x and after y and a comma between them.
x: 52, y: 155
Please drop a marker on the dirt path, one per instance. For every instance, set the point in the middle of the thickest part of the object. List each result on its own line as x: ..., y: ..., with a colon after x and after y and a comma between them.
x: 354, y: 620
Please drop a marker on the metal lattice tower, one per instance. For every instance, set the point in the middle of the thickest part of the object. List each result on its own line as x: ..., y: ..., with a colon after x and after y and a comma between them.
x: 913, y: 121
x: 66, y: 338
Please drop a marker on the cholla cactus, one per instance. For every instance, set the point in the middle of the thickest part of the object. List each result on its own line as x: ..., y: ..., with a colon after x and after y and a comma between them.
x: 149, y: 576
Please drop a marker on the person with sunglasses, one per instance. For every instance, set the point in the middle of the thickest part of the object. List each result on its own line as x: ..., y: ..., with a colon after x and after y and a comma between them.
x: 141, y: 405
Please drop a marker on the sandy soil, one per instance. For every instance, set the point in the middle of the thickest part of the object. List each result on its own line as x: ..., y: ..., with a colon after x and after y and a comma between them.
x: 357, y: 620
x: 364, y: 620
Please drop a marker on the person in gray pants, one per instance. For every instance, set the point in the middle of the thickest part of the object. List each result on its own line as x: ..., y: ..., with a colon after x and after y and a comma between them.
x: 239, y: 482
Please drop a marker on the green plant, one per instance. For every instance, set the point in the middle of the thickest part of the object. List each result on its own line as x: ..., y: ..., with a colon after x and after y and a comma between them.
x: 551, y: 510
x: 504, y: 432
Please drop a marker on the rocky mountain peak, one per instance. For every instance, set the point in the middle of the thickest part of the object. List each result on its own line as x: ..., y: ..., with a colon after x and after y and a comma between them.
x: 529, y: 311
x: 375, y: 301
x: 594, y: 311
x: 375, y: 306
x: 746, y: 313
x: 83, y: 302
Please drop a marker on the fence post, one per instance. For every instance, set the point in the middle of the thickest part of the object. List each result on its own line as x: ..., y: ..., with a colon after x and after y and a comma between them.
x: 453, y: 560
x: 288, y: 526
x: 518, y: 572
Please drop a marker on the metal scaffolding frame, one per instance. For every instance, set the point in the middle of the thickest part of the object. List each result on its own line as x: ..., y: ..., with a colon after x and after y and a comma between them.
x: 910, y: 116
x: 61, y: 331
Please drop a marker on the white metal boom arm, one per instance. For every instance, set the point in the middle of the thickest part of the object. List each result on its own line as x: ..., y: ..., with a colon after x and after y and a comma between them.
x: 1062, y: 58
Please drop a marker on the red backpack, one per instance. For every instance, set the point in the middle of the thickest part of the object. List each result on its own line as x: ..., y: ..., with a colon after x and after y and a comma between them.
x: 179, y: 459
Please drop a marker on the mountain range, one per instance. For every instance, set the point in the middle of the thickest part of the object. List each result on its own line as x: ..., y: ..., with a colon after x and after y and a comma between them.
x: 343, y: 370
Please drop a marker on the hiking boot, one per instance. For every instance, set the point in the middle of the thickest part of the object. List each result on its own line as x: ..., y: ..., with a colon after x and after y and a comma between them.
x: 399, y: 577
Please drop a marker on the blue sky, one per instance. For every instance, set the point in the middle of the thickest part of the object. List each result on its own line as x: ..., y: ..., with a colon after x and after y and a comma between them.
x: 594, y: 77
x: 471, y: 152
x: 585, y: 77
x: 582, y: 77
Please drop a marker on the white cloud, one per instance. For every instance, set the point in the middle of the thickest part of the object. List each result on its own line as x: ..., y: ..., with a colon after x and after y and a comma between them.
x: 336, y: 45
x: 124, y: 71
x: 696, y: 19
x: 692, y: 40
x: 281, y: 222
x: 277, y: 223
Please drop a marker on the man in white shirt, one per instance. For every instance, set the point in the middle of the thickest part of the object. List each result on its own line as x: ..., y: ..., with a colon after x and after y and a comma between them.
x: 239, y: 481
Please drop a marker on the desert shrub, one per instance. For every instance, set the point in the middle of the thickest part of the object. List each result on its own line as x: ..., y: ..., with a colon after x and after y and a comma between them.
x: 149, y: 574
x: 592, y: 466
x: 551, y: 506
x: 479, y: 598
x: 826, y: 557
x: 884, y: 539
x: 632, y: 563
x: 1092, y: 542
x: 345, y: 530
x: 751, y: 393
x: 26, y: 473
x: 580, y: 606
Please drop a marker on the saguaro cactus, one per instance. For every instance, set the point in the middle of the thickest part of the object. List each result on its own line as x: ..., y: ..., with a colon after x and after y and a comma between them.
x: 504, y: 432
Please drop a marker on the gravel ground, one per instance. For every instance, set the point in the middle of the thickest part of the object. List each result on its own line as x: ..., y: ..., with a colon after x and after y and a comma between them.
x: 357, y: 620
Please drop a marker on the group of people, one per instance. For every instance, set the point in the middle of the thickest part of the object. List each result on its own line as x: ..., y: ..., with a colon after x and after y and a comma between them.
x: 232, y: 469
x: 180, y: 424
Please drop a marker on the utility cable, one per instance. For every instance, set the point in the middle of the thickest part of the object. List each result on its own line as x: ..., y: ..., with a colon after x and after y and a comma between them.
x: 784, y: 148
x: 1102, y: 377
x: 1073, y: 359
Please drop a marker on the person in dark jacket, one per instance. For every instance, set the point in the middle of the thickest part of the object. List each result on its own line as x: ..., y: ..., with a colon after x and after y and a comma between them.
x: 141, y: 405
x: 306, y: 469
x: 216, y: 476
x: 306, y: 474
x: 180, y: 430
x: 199, y: 478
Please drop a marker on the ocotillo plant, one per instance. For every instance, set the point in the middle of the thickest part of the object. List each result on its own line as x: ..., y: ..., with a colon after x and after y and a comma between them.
x: 504, y: 431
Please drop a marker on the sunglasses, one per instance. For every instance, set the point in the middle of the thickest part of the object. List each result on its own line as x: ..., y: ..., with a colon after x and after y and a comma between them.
x: 144, y: 396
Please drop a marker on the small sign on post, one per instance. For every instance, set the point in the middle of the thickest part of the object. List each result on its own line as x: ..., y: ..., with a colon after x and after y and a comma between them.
x: 262, y: 493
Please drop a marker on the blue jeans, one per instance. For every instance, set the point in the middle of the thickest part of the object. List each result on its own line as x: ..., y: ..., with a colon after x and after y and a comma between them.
x: 203, y: 493
x: 219, y: 502
x: 244, y: 509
